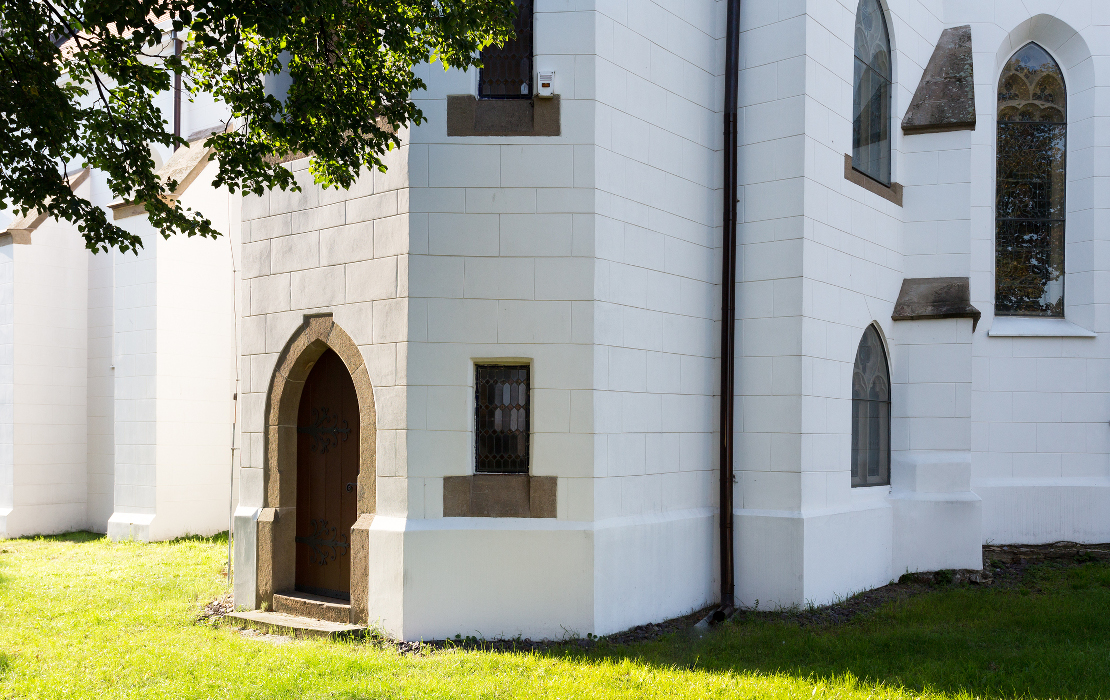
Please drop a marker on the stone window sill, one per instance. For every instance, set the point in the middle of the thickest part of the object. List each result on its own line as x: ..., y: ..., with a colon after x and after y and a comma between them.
x: 469, y: 116
x: 1032, y: 327
x: 870, y: 494
x: 891, y: 194
x: 499, y: 496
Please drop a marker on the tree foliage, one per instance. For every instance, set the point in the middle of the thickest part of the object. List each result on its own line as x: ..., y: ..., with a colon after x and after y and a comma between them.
x: 79, y: 78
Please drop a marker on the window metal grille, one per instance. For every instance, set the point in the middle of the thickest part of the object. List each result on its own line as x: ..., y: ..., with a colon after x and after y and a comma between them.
x: 870, y: 413
x: 507, y: 70
x: 501, y: 419
x: 1030, y: 186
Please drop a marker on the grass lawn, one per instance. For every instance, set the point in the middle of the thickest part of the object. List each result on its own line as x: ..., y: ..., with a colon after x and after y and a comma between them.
x: 81, y: 617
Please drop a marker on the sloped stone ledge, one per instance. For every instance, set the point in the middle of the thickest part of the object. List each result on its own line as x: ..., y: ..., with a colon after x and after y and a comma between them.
x: 945, y: 97
x: 935, y: 297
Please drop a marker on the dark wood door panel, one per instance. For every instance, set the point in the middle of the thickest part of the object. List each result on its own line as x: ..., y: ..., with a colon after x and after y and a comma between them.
x: 327, y: 474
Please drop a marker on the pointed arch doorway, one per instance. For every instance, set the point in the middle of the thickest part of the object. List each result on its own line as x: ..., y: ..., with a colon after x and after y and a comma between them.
x: 280, y: 564
x: 327, y: 478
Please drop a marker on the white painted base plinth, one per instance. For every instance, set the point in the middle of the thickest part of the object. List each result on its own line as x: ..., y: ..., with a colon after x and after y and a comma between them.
x: 934, y: 531
x: 130, y: 526
x: 1039, y: 511
x: 537, y: 578
x: 44, y: 519
x: 786, y: 559
x: 245, y: 559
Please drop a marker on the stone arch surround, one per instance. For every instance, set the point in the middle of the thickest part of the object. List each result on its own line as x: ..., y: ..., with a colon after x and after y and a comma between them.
x: 277, y: 520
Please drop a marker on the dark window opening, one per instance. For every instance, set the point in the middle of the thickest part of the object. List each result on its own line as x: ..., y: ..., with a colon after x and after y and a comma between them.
x: 1030, y: 186
x: 501, y: 419
x: 871, y: 94
x: 871, y: 413
x: 507, y: 70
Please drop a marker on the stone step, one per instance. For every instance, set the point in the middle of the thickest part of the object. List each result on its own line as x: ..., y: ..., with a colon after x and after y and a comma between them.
x: 315, y: 606
x: 292, y: 625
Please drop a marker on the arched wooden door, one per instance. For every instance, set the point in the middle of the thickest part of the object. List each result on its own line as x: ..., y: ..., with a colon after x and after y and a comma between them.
x: 327, y: 477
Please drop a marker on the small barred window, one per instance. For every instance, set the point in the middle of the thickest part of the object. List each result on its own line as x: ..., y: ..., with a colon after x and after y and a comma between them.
x: 507, y: 70
x: 501, y: 419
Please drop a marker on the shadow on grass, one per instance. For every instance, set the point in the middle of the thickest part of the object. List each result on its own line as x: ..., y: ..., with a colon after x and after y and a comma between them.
x: 78, y: 537
x: 1047, y: 639
x: 83, y: 537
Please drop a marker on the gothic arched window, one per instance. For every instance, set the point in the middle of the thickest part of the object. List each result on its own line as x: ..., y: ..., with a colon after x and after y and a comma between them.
x: 1031, y: 177
x: 871, y: 94
x: 870, y: 413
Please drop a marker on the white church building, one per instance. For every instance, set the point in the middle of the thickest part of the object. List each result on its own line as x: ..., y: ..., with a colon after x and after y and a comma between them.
x: 482, y: 392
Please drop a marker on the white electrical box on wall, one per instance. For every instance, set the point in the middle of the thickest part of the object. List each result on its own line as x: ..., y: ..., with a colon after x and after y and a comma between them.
x: 545, y: 84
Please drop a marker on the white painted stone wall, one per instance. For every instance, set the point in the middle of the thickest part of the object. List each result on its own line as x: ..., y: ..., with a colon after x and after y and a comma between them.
x: 822, y: 258
x: 591, y: 256
x: 174, y: 330
x: 71, y: 456
x: 1041, y: 404
x: 48, y: 336
x: 7, y: 383
x: 101, y: 392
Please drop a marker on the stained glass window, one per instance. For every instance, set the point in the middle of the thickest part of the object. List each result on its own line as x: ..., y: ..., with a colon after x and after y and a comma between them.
x: 871, y: 95
x: 1031, y: 178
x: 507, y: 70
x: 501, y: 419
x: 870, y: 413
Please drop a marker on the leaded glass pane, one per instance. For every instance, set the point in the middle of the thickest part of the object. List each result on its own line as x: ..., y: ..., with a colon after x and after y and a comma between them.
x: 507, y: 70
x: 870, y: 413
x: 501, y: 419
x: 1030, y: 187
x: 871, y: 95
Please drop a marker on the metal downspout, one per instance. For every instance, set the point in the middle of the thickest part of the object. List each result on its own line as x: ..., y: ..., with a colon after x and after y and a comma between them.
x: 176, y: 92
x: 728, y: 312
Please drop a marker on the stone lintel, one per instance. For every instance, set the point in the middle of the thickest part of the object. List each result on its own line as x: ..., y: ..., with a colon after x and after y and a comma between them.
x: 935, y: 297
x: 945, y: 97
x: 499, y: 496
x: 469, y: 116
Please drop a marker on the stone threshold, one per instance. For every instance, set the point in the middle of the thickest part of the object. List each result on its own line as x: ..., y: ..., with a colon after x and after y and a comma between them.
x: 293, y: 625
x: 312, y: 606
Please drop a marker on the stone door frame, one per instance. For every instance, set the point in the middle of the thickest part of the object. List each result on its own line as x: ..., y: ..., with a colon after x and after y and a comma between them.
x: 277, y: 522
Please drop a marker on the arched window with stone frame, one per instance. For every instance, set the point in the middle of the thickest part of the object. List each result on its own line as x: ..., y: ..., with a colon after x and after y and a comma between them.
x: 871, y: 94
x: 1031, y: 180
x: 871, y: 412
